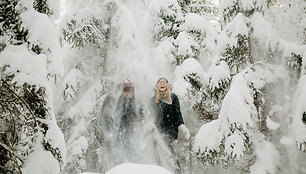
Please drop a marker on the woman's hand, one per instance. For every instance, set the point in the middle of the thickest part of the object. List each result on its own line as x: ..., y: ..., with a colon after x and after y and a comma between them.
x: 183, y: 129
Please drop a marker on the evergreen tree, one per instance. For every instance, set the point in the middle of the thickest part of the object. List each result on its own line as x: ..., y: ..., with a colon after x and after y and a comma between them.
x: 244, y: 45
x: 42, y: 7
x: 237, y: 129
x: 291, y: 18
x: 24, y: 123
x: 87, y: 38
x: 11, y: 24
x: 168, y: 20
x: 201, y: 43
x: 27, y: 118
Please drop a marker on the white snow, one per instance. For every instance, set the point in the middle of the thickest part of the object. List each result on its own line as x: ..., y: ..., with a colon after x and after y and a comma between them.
x: 79, y: 10
x: 137, y: 169
x: 189, y: 66
x: 218, y: 74
x: 236, y: 116
x: 56, y: 139
x: 226, y: 4
x: 54, y: 6
x: 242, y: 4
x: 248, y: 4
x: 25, y: 4
x: 38, y: 69
x: 156, y: 6
x: 77, y: 144
x: 238, y: 95
x: 267, y: 159
x: 209, y: 136
x: 41, y: 161
x: 272, y: 125
x: 43, y: 33
x: 287, y: 141
x: 184, y: 42
x: 71, y: 83
x: 124, y: 17
x: 267, y: 36
x: 78, y: 147
x: 299, y: 128
x: 234, y: 145
x: 238, y: 26
x: 133, y: 54
x: 195, y: 22
x: 134, y: 168
x: 31, y: 67
x: 87, y: 102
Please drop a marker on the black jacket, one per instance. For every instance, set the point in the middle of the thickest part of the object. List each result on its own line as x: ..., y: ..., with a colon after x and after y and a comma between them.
x: 127, y: 115
x: 168, y: 116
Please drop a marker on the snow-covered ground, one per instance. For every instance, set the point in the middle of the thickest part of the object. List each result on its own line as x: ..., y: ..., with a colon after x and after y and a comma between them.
x: 134, y: 168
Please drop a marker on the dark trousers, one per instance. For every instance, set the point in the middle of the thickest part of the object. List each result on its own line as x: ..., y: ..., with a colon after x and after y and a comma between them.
x: 169, y: 141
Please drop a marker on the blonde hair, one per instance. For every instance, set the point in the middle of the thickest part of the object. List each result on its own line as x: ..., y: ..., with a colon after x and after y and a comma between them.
x: 164, y: 95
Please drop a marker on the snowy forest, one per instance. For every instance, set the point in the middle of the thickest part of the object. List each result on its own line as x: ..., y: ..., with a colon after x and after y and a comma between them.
x: 238, y: 68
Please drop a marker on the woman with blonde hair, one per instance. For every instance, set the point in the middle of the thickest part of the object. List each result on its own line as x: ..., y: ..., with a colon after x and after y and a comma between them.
x: 169, y: 120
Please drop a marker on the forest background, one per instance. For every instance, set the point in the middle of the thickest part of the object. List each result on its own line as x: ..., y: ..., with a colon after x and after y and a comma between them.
x: 237, y: 66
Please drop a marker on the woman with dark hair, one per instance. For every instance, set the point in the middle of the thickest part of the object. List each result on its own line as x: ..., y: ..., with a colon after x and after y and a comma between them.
x: 127, y: 110
x: 124, y: 106
x: 169, y: 120
x: 117, y: 121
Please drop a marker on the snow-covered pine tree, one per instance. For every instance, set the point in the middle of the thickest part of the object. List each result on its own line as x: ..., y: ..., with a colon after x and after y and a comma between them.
x: 236, y: 128
x: 206, y: 96
x: 28, y: 61
x: 185, y: 29
x: 17, y: 119
x: 42, y: 7
x: 234, y: 52
x: 291, y: 17
x: 85, y: 33
x: 11, y: 23
x: 197, y: 40
x: 251, y: 52
x: 167, y: 18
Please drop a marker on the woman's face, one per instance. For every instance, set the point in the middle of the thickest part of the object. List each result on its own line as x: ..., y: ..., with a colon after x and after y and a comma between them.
x: 162, y: 85
x: 128, y: 91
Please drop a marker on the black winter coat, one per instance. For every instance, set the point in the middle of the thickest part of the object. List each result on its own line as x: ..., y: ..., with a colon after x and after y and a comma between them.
x: 168, y: 116
x: 127, y: 115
